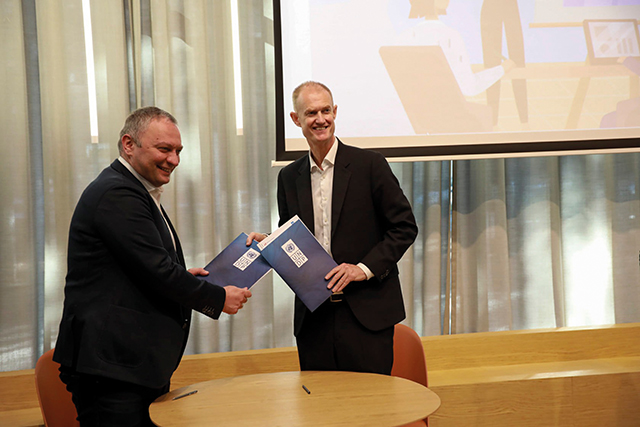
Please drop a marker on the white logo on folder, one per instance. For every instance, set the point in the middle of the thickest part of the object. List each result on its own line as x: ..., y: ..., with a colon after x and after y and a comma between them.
x: 245, y: 260
x: 296, y: 255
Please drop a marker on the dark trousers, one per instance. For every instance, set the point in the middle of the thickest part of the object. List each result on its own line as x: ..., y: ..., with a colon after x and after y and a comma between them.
x: 332, y: 339
x: 103, y: 402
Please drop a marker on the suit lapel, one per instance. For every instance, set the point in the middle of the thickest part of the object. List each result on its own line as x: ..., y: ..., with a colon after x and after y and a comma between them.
x: 176, y: 253
x: 341, y: 176
x: 178, y: 248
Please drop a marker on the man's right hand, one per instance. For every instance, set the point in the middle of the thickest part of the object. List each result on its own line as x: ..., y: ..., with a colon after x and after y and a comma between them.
x: 235, y: 298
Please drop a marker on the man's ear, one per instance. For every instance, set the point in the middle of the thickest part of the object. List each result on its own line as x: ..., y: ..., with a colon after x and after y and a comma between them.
x: 335, y: 111
x: 295, y: 118
x: 127, y: 143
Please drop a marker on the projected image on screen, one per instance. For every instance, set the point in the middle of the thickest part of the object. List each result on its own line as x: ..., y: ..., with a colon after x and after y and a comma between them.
x: 465, y: 78
x: 597, y: 3
x: 610, y: 40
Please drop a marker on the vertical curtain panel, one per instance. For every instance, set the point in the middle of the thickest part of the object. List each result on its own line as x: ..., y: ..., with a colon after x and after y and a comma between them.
x: 503, y: 243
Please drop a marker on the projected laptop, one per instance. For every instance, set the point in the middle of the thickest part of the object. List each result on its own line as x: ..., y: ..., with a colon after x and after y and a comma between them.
x: 611, y: 39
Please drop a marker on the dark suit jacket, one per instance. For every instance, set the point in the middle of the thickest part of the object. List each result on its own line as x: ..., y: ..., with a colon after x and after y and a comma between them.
x: 128, y: 296
x: 371, y: 222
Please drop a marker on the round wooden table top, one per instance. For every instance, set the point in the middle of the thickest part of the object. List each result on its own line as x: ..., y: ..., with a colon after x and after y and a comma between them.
x: 279, y: 399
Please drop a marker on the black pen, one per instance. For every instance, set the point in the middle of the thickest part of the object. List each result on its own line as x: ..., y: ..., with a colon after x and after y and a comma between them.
x: 306, y: 389
x: 185, y: 395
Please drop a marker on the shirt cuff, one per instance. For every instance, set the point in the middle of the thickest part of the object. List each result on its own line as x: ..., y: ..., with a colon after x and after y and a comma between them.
x: 366, y: 270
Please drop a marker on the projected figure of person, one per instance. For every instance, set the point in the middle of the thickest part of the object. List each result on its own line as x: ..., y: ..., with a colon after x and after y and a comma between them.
x: 433, y: 32
x: 493, y: 16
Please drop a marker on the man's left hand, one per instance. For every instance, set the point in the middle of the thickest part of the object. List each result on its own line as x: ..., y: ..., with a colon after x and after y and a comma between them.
x: 197, y: 271
x: 344, y: 274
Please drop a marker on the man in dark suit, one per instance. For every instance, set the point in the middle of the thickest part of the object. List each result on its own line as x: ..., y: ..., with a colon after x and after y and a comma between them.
x: 128, y: 295
x: 352, y: 202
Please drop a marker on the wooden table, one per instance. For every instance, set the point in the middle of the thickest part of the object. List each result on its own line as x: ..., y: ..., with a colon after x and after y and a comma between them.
x: 279, y: 399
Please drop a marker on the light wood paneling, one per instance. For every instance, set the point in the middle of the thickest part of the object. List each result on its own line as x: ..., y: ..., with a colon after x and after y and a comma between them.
x: 532, y: 346
x: 17, y: 390
x: 31, y: 417
x: 525, y: 403
x: 607, y: 400
x: 574, y: 377
x: 18, y: 400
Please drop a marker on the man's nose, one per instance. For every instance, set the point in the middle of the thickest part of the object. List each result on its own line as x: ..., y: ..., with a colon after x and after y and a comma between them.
x: 173, y: 158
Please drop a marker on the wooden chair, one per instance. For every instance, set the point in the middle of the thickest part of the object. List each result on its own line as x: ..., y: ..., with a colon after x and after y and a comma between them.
x: 55, y: 401
x: 409, y: 361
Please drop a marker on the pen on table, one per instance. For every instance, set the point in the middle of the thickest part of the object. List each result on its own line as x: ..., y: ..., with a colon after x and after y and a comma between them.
x: 185, y: 395
x: 306, y: 389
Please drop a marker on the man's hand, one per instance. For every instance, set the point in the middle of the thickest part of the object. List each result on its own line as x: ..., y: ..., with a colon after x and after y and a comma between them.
x: 197, y: 271
x: 344, y: 274
x: 258, y: 237
x: 235, y: 299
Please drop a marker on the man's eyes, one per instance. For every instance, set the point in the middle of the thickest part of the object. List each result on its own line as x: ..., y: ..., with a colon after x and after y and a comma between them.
x: 314, y: 113
x: 169, y: 149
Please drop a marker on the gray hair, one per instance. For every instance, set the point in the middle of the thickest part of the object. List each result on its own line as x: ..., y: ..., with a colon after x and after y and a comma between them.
x: 310, y: 83
x: 139, y: 120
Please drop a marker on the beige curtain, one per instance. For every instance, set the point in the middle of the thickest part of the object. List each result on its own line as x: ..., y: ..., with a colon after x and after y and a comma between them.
x: 424, y: 268
x: 503, y: 244
x: 71, y: 159
x: 18, y: 248
x: 224, y: 184
x: 545, y: 242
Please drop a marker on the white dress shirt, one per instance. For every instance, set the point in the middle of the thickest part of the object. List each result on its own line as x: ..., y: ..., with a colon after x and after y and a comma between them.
x: 322, y: 196
x: 321, y: 193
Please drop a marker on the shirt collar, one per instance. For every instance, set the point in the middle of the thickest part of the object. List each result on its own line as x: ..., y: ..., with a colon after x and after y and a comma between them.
x: 147, y: 185
x: 329, y: 159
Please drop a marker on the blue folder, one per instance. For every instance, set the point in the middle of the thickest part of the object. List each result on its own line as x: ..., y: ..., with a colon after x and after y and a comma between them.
x: 238, y: 264
x: 296, y: 255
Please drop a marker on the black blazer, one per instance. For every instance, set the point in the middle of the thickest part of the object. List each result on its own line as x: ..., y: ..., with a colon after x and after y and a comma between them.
x: 371, y: 222
x: 128, y: 296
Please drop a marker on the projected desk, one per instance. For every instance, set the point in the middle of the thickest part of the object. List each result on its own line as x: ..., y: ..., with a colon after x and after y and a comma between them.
x: 278, y: 399
x: 582, y: 71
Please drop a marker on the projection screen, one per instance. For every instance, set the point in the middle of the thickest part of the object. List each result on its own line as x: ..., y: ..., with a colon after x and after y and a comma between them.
x: 492, y: 78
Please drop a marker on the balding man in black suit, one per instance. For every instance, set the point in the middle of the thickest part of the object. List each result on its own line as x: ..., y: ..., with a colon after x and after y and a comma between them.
x: 128, y: 295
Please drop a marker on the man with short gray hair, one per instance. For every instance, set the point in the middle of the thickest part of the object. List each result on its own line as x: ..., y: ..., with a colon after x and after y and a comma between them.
x: 128, y: 294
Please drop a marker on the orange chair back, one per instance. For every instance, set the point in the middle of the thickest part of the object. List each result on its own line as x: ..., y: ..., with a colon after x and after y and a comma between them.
x: 56, y: 405
x: 408, y: 360
x: 408, y: 355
